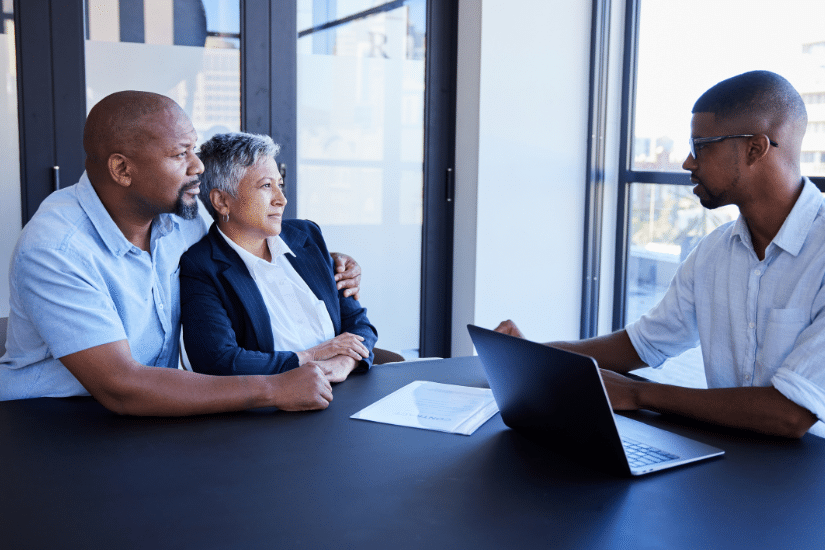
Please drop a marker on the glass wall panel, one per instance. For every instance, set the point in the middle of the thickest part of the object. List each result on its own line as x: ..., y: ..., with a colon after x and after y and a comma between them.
x: 188, y: 50
x: 666, y: 223
x: 360, y: 149
x: 10, y: 209
x: 686, y: 47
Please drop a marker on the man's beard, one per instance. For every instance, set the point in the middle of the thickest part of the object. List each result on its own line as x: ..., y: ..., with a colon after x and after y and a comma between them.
x: 186, y: 211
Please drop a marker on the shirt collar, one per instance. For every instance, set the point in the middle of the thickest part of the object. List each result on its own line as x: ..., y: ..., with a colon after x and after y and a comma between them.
x: 277, y: 247
x: 740, y: 229
x: 165, y: 224
x: 794, y: 230
x: 109, y: 232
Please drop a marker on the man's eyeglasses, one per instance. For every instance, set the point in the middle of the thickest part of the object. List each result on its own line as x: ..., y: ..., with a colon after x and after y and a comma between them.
x: 696, y: 144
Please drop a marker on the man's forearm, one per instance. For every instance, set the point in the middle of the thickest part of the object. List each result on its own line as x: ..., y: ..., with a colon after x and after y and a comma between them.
x: 124, y: 386
x: 763, y: 410
x: 613, y: 352
x: 152, y: 391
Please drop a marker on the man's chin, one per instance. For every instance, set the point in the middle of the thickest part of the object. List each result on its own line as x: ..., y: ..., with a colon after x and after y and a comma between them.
x: 186, y: 211
x: 705, y: 199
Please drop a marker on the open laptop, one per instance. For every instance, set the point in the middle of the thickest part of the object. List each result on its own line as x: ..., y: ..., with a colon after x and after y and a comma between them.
x: 558, y: 397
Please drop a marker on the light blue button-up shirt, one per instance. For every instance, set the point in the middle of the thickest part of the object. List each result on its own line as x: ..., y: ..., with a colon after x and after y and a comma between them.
x: 760, y: 323
x: 76, y: 282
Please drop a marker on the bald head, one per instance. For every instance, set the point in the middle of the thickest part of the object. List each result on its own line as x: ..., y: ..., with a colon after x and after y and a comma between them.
x: 120, y: 122
x: 760, y: 102
x: 140, y: 156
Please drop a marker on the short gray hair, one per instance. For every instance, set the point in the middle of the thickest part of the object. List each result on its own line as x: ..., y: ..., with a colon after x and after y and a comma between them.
x: 225, y: 159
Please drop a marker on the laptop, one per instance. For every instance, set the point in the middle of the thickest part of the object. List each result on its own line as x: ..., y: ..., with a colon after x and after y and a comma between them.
x: 558, y: 397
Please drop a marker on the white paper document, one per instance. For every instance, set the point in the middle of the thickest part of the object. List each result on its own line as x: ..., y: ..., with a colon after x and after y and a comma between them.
x: 433, y: 406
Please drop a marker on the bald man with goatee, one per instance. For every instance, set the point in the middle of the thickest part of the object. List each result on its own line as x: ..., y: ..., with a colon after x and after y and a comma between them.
x: 94, y: 306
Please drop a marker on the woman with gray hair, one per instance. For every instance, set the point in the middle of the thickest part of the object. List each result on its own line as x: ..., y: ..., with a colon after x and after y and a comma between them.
x: 258, y: 293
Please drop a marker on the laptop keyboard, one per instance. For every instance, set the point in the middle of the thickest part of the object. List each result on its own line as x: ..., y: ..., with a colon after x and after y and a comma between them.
x: 640, y: 455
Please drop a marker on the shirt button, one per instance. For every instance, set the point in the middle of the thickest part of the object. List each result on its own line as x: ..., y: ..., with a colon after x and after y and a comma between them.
x: 751, y: 325
x: 747, y: 378
x: 160, y: 306
x: 756, y: 272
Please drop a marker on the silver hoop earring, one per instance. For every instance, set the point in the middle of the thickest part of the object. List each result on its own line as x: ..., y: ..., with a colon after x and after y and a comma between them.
x: 226, y: 218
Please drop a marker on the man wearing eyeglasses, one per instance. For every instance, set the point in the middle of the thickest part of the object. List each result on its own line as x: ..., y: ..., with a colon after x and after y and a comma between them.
x: 752, y: 293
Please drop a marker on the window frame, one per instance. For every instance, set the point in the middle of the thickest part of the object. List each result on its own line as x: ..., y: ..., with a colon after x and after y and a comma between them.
x: 628, y: 176
x: 441, y: 60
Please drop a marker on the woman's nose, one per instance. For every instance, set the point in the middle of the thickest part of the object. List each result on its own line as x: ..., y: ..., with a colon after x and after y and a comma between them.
x: 279, y: 197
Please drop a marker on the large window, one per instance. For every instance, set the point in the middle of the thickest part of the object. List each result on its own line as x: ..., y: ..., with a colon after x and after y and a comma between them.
x: 188, y: 50
x: 361, y: 148
x: 681, y: 50
x: 9, y: 148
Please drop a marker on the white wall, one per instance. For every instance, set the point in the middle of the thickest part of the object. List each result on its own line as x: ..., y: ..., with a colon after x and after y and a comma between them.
x: 468, y: 77
x: 518, y: 253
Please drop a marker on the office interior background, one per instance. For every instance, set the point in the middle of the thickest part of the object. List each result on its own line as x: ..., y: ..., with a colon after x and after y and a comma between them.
x: 481, y: 159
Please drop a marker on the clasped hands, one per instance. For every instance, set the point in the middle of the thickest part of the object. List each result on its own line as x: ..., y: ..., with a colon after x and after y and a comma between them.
x: 308, y: 386
x: 336, y: 357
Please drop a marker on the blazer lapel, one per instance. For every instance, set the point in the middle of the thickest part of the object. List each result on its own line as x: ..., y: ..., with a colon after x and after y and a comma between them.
x: 237, y: 275
x: 312, y: 270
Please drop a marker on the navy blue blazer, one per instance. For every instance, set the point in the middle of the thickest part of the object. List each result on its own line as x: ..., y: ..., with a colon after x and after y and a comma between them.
x: 226, y: 327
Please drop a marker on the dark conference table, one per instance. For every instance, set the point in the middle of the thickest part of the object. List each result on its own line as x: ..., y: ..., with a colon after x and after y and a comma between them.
x: 74, y: 475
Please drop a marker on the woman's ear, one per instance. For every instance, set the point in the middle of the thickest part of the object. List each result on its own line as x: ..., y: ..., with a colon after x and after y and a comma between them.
x: 219, y: 202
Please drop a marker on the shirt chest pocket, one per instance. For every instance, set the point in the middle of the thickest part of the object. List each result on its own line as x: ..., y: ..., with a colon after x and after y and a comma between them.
x: 781, y: 332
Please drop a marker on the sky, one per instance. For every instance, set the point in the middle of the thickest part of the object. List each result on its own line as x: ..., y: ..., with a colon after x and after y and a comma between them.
x: 685, y: 47
x: 222, y: 16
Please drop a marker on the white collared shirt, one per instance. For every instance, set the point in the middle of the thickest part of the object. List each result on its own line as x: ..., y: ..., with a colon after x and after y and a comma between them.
x: 760, y: 322
x: 299, y: 319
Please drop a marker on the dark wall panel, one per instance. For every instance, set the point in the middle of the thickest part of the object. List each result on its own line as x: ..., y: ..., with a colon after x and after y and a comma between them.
x: 52, y: 99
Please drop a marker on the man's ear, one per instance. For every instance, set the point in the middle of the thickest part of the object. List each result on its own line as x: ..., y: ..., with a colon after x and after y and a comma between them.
x: 120, y: 169
x: 758, y: 147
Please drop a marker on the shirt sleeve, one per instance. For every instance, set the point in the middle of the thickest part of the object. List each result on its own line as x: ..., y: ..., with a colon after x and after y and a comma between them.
x: 670, y: 328
x: 66, y: 300
x: 801, y: 377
